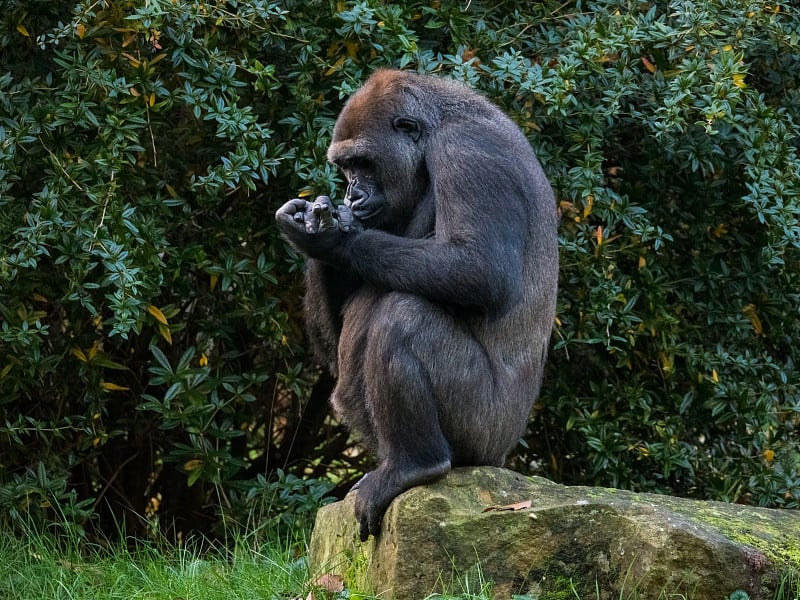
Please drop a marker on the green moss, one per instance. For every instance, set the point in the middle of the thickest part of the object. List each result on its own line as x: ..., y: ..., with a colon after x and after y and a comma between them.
x: 359, y: 558
x: 562, y: 589
x: 779, y: 542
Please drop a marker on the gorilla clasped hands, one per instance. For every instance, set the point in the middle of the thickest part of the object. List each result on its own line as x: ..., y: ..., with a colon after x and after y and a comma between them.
x: 431, y: 292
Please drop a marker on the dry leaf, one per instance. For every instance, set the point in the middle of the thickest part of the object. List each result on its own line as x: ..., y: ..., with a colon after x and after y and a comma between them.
x: 509, y: 507
x: 156, y: 312
x: 113, y: 387
x: 328, y: 585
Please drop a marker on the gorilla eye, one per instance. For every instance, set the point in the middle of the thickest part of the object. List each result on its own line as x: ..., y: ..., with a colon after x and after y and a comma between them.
x: 407, y: 126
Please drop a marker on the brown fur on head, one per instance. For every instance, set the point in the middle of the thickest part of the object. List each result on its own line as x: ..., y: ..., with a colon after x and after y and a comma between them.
x: 366, y: 137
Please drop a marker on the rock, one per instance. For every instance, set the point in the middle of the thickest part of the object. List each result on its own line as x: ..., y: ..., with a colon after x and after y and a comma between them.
x: 437, y: 538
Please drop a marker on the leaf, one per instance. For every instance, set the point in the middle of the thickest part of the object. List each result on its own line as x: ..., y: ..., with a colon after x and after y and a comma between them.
x: 598, y: 234
x: 588, y: 204
x: 78, y: 353
x: 135, y: 62
x: 92, y: 352
x: 80, y: 29
x: 103, y: 361
x: 667, y: 362
x: 161, y: 358
x: 335, y: 67
x: 21, y: 28
x: 330, y: 583
x: 193, y: 477
x: 509, y: 507
x: 156, y: 312
x: 113, y: 387
x: 351, y: 47
x: 648, y: 65
x: 191, y: 465
x: 750, y: 312
x: 172, y: 391
x: 165, y: 333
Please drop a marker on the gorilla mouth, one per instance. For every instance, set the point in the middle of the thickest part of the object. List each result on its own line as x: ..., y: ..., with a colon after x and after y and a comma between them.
x: 367, y: 215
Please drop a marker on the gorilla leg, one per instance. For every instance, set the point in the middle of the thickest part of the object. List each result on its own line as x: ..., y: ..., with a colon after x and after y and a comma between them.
x: 404, y: 382
x: 412, y: 449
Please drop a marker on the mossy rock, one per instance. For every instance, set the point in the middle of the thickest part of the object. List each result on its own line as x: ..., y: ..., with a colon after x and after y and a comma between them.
x: 639, y: 545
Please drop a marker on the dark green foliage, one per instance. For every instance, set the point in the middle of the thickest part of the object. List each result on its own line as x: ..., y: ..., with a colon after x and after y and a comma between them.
x: 150, y: 346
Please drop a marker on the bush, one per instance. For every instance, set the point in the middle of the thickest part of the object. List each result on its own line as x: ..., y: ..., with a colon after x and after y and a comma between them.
x: 671, y: 134
x: 152, y: 354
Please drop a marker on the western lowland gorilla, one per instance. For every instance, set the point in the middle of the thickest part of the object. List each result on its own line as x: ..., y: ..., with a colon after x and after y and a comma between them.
x: 431, y: 291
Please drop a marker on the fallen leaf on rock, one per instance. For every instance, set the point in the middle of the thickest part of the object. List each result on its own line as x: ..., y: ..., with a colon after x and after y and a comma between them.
x: 516, y: 506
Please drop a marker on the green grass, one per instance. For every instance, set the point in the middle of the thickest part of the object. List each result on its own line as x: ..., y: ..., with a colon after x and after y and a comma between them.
x: 35, y: 567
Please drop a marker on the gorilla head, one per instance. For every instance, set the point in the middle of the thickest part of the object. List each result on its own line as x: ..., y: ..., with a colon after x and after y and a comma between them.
x: 371, y: 147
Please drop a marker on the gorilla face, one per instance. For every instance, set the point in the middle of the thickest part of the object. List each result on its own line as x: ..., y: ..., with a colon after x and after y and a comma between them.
x: 380, y: 148
x: 365, y: 195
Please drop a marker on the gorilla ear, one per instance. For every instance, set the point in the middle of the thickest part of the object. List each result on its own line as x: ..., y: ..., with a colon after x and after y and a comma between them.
x: 407, y: 126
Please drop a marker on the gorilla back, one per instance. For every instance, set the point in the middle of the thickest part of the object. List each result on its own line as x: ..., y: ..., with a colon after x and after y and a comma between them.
x: 434, y: 304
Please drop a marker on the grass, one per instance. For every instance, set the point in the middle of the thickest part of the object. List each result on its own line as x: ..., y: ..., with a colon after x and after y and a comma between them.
x: 35, y: 567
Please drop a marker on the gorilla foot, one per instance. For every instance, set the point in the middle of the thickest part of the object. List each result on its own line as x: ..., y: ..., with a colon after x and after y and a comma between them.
x: 378, y: 488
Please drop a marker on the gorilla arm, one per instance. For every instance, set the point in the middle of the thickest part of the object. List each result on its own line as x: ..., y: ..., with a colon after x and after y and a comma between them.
x: 474, y: 259
x: 327, y: 287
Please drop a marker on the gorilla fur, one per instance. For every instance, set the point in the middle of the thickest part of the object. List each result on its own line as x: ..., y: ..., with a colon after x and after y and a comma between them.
x: 431, y: 294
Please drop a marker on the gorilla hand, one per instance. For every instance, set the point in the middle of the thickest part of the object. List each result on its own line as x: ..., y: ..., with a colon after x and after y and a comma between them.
x: 328, y: 217
x: 315, y: 228
x: 322, y: 216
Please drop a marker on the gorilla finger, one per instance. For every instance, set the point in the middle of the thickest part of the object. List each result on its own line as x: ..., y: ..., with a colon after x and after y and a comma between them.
x: 312, y: 221
x: 322, y: 203
x: 291, y: 208
x: 345, y: 216
x: 326, y: 215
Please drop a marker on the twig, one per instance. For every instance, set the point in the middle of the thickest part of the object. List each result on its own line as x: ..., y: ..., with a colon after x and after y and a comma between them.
x: 111, y: 480
x: 60, y: 166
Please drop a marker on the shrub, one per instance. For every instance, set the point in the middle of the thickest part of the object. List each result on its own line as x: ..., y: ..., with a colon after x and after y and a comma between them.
x: 151, y: 350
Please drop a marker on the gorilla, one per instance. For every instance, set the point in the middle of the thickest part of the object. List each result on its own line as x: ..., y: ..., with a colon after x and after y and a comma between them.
x: 430, y: 293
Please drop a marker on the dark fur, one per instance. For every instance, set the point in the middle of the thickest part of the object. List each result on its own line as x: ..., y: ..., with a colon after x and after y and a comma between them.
x: 436, y: 311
